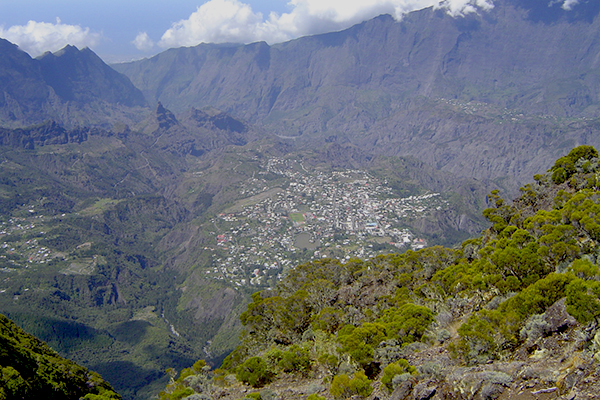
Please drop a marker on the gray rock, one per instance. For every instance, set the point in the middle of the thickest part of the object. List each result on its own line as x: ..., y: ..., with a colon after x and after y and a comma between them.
x: 558, y: 318
x: 424, y: 391
x: 402, y: 391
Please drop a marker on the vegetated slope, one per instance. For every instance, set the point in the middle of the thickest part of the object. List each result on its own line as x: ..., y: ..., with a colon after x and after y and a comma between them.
x: 71, y: 86
x: 30, y: 369
x: 511, y: 314
x: 80, y: 222
x: 83, y: 215
x: 467, y: 94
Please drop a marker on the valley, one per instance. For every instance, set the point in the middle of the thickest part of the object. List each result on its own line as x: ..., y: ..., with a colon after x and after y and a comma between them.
x: 146, y: 206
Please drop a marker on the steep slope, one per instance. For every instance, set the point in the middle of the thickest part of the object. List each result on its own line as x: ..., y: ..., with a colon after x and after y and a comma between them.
x: 386, y: 78
x: 22, y: 88
x: 74, y: 87
x: 195, y: 131
x: 81, y: 76
x: 30, y: 369
x: 117, y: 246
x: 429, y: 53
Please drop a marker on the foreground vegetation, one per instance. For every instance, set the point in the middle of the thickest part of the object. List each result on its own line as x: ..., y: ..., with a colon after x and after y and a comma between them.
x: 29, y: 369
x: 353, y: 325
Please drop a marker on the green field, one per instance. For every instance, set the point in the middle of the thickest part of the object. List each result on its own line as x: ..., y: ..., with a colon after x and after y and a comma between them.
x: 297, y: 217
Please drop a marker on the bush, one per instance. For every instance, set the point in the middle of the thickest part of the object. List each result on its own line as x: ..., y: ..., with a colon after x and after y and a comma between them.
x: 328, y: 320
x: 535, y: 328
x: 342, y: 387
x: 360, y: 342
x: 407, y: 323
x: 296, y: 359
x: 398, y: 368
x: 330, y: 361
x: 583, y: 300
x: 490, y: 331
x: 254, y: 372
x: 388, y: 352
x: 476, y: 342
x: 564, y: 167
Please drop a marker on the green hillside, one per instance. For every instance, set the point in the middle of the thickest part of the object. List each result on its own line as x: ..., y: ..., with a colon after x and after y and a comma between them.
x: 515, y: 308
x: 31, y: 370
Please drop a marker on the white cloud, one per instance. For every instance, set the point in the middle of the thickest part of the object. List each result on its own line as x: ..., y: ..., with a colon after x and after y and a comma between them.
x: 143, y: 42
x: 462, y: 7
x: 568, y: 4
x: 38, y: 37
x: 219, y: 21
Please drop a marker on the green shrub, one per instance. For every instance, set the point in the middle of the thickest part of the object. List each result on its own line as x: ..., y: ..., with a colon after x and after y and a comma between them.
x: 476, y: 342
x: 489, y: 332
x: 342, y: 387
x: 407, y: 323
x: 296, y: 359
x: 328, y: 320
x: 254, y: 372
x: 564, y: 167
x: 360, y: 342
x: 179, y: 393
x: 583, y: 300
x: 398, y: 368
x: 330, y: 361
x: 273, y: 357
x: 584, y: 269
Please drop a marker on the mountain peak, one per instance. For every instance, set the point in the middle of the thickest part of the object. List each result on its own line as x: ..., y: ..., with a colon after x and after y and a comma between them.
x: 80, y: 75
x: 165, y: 118
x: 67, y: 50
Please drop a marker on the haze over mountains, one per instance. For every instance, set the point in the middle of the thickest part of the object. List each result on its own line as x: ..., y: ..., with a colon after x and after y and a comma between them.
x: 119, y: 173
x: 378, y: 85
x: 457, y: 92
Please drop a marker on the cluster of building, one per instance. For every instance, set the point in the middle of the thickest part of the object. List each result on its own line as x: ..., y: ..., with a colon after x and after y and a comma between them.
x: 309, y: 215
x: 16, y: 251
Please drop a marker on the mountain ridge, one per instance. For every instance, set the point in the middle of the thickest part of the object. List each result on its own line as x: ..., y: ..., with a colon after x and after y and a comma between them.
x: 74, y: 87
x: 394, y: 79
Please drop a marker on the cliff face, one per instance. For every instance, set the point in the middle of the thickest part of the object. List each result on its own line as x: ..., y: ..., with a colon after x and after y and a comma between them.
x: 81, y: 76
x: 513, y: 55
x: 465, y: 93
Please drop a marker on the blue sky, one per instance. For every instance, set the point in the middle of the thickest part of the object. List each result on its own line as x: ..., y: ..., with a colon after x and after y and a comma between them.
x: 122, y: 30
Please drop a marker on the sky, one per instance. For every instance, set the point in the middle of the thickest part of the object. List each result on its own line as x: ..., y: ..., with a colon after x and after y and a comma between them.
x: 124, y: 30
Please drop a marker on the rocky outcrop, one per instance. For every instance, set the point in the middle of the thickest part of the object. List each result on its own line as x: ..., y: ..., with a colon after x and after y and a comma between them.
x: 48, y: 133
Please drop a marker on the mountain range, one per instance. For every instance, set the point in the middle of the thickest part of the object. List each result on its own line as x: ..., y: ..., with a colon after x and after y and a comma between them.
x: 458, y: 92
x: 461, y: 92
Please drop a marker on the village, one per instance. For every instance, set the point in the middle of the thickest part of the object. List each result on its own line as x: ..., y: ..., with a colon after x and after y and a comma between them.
x: 16, y: 249
x: 310, y: 215
x: 285, y: 215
